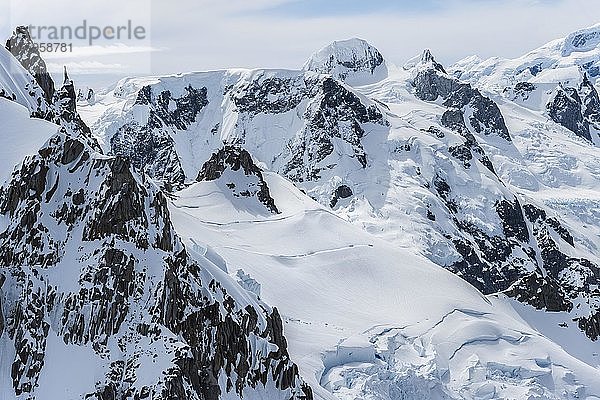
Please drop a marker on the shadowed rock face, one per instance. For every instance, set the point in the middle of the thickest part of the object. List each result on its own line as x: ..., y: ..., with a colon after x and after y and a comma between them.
x: 577, y: 109
x: 126, y: 284
x: 525, y: 261
x: 330, y: 113
x: 341, y: 192
x: 239, y: 160
x: 565, y: 109
x: 432, y: 82
x: 498, y: 249
x: 334, y: 113
x: 590, y: 101
x: 149, y: 146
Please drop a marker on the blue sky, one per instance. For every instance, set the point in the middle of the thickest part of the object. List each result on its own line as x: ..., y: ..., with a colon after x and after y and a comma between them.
x: 319, y: 8
x: 312, y: 8
x: 194, y: 35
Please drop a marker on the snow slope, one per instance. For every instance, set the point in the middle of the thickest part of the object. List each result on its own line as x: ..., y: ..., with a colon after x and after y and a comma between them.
x: 21, y: 136
x: 367, y: 320
x: 391, y: 157
x: 17, y: 84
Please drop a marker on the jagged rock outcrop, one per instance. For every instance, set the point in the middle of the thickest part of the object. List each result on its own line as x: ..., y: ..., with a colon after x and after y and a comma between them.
x: 56, y: 105
x: 65, y: 102
x: 341, y: 192
x: 431, y: 82
x: 148, y: 145
x: 241, y: 175
x: 590, y: 101
x: 577, y: 109
x: 328, y: 113
x: 565, y: 109
x: 429, y: 175
x: 86, y: 95
x: 21, y: 46
x: 334, y: 113
x: 114, y: 278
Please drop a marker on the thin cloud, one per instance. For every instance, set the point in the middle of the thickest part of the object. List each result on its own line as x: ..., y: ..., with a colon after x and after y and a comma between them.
x: 86, y: 67
x: 101, y: 50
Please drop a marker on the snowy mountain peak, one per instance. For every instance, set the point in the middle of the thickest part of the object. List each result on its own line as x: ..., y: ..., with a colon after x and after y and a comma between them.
x: 354, y: 61
x: 428, y: 59
x: 427, y: 56
x: 582, y: 40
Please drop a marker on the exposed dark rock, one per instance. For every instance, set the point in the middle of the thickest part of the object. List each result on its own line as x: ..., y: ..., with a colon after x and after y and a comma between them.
x: 149, y: 147
x: 524, y: 87
x: 565, y: 108
x: 435, y: 131
x: 237, y: 159
x: 513, y: 223
x: 590, y: 325
x: 342, y: 192
x: 443, y: 190
x: 454, y: 119
x: 497, y: 263
x: 336, y: 108
x: 541, y: 292
x: 23, y: 49
x: 57, y: 106
x: 271, y: 95
x: 427, y: 58
x: 430, y: 215
x: 122, y: 206
x: 590, y: 101
x: 432, y: 82
x: 86, y: 95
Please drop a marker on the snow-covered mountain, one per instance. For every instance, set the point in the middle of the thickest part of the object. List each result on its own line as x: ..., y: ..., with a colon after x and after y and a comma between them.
x: 419, y: 158
x: 347, y: 230
x: 99, y: 296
